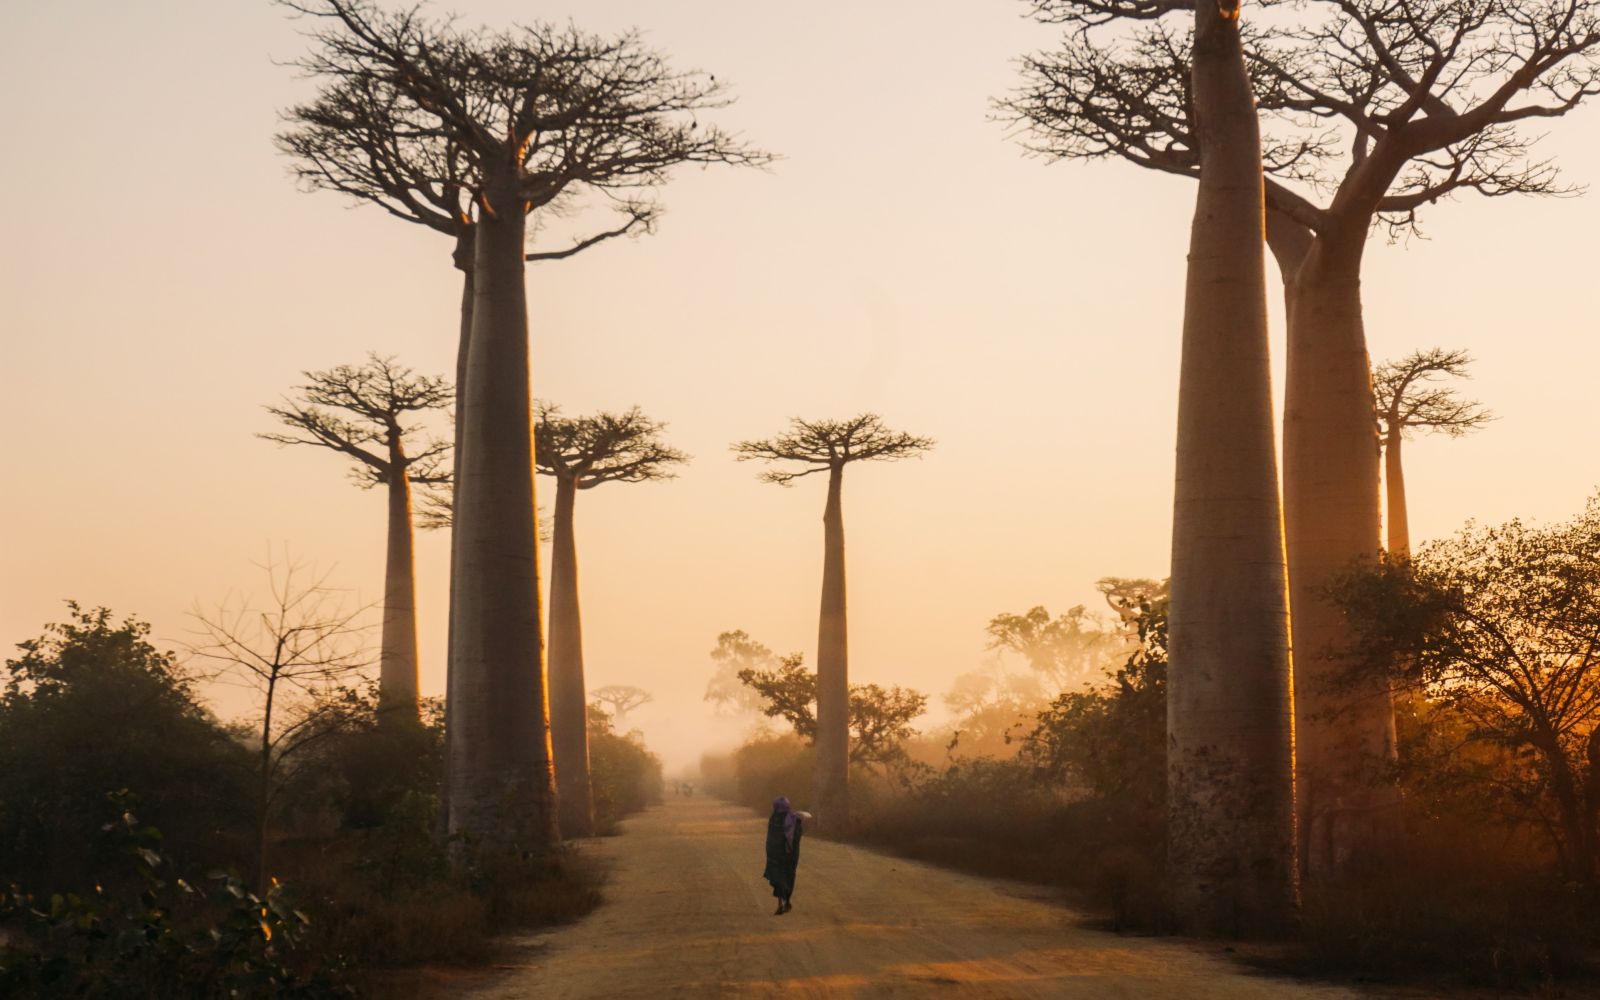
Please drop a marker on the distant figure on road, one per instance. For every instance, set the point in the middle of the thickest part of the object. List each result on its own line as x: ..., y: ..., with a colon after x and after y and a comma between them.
x: 784, y: 830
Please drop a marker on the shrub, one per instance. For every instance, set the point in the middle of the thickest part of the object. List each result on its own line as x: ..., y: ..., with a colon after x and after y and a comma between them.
x: 624, y: 775
x: 91, y: 707
x: 156, y: 935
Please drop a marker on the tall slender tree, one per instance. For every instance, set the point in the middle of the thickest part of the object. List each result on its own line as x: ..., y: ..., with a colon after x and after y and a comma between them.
x: 582, y: 453
x: 1427, y: 99
x: 539, y: 117
x: 1410, y: 398
x: 362, y: 413
x: 812, y: 446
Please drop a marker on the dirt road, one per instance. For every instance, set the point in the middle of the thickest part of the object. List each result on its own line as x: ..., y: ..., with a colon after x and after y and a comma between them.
x: 687, y: 915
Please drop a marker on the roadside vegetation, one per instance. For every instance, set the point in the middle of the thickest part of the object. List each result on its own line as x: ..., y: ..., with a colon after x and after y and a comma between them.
x: 1489, y: 879
x: 128, y: 834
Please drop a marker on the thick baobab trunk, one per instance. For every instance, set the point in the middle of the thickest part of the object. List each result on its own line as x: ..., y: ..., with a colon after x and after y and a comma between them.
x: 1394, y: 483
x: 462, y: 257
x: 569, y: 729
x: 1230, y: 738
x: 833, y: 670
x: 1344, y: 725
x: 397, y: 662
x: 501, y: 789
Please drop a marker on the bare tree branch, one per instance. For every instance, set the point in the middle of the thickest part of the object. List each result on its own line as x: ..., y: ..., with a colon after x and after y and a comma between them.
x: 414, y: 111
x: 1409, y: 396
x: 379, y: 394
x: 1425, y: 95
x: 822, y: 445
x: 604, y: 448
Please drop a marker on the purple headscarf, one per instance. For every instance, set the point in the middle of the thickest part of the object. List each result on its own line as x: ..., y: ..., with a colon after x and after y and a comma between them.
x: 780, y: 806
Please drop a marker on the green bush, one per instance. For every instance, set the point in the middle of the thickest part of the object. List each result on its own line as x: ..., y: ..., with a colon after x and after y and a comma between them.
x: 157, y: 935
x: 91, y: 707
x: 770, y: 765
x: 624, y: 775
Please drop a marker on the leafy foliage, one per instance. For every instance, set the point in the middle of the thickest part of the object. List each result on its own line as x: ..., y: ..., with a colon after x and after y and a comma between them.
x: 92, y: 706
x: 161, y: 936
x: 1112, y: 741
x: 880, y: 718
x: 623, y: 773
x: 1073, y: 647
x: 1501, y: 626
x: 736, y: 651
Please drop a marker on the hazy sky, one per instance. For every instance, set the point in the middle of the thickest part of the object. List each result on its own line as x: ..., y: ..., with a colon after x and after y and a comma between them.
x: 162, y: 279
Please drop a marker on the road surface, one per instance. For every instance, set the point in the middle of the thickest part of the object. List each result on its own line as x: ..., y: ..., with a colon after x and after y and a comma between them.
x: 686, y: 914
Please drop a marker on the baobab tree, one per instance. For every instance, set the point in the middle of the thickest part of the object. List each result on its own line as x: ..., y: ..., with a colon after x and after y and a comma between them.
x: 1426, y: 100
x: 519, y: 124
x: 362, y: 413
x: 620, y: 699
x: 1231, y: 831
x: 808, y: 447
x: 366, y: 137
x: 580, y: 454
x: 1409, y: 397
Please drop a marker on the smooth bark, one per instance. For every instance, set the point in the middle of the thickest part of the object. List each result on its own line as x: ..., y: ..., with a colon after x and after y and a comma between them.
x: 569, y: 724
x: 499, y: 770
x: 462, y: 257
x: 397, y: 662
x: 1344, y: 723
x: 1230, y: 749
x: 1394, y: 482
x: 833, y: 669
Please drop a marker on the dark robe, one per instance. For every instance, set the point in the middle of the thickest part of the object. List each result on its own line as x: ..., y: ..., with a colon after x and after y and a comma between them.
x: 782, y: 858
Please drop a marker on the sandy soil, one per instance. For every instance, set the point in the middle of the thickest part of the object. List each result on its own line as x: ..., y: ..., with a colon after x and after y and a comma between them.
x: 687, y: 915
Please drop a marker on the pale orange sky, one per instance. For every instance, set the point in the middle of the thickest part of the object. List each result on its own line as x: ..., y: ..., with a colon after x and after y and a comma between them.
x: 162, y: 279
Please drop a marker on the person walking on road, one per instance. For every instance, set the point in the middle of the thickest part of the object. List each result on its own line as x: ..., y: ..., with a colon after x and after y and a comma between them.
x: 785, y: 827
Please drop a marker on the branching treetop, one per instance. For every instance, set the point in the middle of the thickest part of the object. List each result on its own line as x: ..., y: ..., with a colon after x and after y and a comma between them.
x: 378, y: 395
x: 1409, y: 396
x: 623, y: 698
x: 1424, y: 96
x: 302, y: 636
x: 604, y: 448
x: 824, y: 445
x: 416, y: 114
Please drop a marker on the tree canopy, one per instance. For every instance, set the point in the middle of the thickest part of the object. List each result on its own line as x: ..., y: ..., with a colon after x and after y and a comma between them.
x: 415, y: 112
x: 603, y: 448
x: 824, y: 445
x: 1410, y: 396
x: 1425, y: 99
x: 377, y: 397
x: 880, y: 718
x: 1502, y: 624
